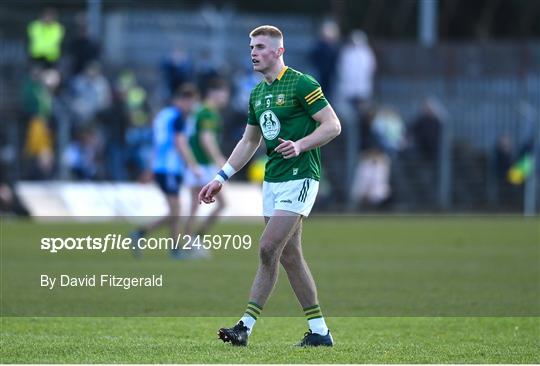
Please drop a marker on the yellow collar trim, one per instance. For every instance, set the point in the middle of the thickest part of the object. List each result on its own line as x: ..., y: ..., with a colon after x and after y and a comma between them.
x: 282, y: 72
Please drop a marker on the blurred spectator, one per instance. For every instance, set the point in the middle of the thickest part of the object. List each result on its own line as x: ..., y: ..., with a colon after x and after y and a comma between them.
x: 355, y: 70
x: 206, y: 70
x: 523, y: 165
x: 81, y: 155
x: 389, y: 131
x: 368, y: 139
x: 324, y: 56
x: 243, y: 83
x: 115, y: 124
x: 139, y: 131
x: 82, y: 49
x: 45, y: 37
x: 91, y: 93
x: 37, y: 93
x: 9, y: 201
x: 39, y: 149
x: 37, y: 100
x: 426, y: 130
x: 371, y: 184
x: 135, y: 97
x: 177, y: 69
x: 503, y: 159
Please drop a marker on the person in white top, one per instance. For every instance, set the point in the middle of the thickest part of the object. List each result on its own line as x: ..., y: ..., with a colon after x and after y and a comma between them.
x: 356, y: 68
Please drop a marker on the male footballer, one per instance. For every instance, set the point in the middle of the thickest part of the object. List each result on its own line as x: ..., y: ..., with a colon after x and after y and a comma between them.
x: 288, y: 109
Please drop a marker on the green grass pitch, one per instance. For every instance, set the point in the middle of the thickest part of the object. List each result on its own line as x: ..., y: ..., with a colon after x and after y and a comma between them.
x: 394, y: 290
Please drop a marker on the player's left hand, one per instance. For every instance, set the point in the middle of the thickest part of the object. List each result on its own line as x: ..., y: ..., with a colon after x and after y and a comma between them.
x: 287, y: 148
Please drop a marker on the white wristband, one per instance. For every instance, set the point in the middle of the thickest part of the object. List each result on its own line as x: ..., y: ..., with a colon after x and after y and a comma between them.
x: 228, y: 170
x: 225, y: 173
x: 219, y: 178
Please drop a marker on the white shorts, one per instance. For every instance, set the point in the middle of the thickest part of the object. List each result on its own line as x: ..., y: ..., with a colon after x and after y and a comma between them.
x: 296, y: 196
x: 208, y: 173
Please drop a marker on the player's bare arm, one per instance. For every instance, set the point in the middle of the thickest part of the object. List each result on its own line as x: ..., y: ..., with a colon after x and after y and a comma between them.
x: 210, y: 146
x: 329, y: 128
x: 182, y: 145
x: 242, y: 153
x: 246, y: 147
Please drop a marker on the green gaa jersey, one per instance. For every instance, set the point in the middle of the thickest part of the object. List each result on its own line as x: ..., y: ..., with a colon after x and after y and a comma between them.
x: 283, y: 109
x: 206, y: 119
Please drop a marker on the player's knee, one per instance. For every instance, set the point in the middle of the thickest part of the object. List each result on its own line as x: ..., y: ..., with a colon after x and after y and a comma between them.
x: 290, y: 258
x: 268, y: 253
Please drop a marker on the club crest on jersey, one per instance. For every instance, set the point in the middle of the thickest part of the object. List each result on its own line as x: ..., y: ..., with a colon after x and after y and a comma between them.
x: 280, y: 99
x: 270, y: 125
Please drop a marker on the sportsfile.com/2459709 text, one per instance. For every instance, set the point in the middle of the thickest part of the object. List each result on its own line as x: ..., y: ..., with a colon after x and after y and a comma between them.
x: 120, y: 242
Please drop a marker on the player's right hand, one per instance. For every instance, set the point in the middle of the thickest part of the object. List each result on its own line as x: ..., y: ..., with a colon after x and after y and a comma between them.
x: 208, y: 192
